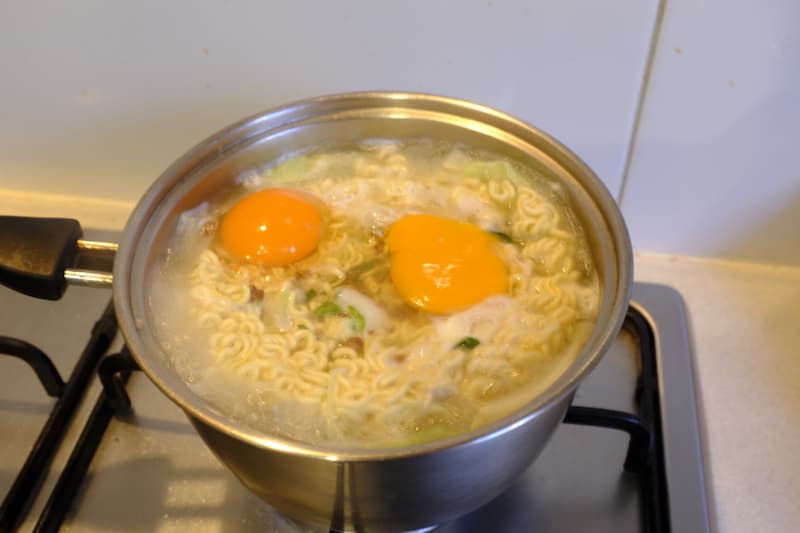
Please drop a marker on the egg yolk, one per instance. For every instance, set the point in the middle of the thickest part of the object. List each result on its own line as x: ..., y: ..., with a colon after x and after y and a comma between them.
x: 441, y: 265
x: 271, y: 227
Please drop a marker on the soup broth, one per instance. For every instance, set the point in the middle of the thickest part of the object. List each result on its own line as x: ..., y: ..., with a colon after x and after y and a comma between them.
x: 444, y: 288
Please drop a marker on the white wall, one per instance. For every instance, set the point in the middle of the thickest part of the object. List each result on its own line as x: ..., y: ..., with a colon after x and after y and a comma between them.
x: 715, y: 169
x: 98, y: 97
x: 106, y: 94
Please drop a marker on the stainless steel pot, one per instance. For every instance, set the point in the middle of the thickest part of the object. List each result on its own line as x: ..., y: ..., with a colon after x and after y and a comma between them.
x: 370, y: 490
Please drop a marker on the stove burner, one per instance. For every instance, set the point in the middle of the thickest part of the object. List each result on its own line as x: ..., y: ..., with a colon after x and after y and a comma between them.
x: 643, y: 457
x: 44, y: 368
x: 28, y: 482
x: 641, y: 484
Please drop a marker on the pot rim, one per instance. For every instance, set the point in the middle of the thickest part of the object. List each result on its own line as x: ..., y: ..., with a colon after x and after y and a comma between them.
x: 219, y: 143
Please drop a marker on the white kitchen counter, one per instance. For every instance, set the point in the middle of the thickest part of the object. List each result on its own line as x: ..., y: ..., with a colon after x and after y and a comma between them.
x: 746, y: 332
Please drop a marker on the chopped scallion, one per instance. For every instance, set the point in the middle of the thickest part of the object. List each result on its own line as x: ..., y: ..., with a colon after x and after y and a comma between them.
x: 326, y: 309
x: 359, y: 322
x: 467, y: 343
x: 504, y: 237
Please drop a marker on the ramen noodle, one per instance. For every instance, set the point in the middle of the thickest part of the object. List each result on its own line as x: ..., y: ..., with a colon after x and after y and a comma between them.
x: 347, y: 338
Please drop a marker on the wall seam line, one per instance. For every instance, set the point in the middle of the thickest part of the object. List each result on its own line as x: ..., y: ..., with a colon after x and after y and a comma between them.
x: 643, y: 89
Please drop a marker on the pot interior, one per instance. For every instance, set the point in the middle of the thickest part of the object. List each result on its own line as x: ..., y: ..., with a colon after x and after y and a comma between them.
x: 341, y: 121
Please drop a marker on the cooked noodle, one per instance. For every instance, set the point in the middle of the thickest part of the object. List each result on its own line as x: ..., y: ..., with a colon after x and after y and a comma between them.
x: 406, y: 375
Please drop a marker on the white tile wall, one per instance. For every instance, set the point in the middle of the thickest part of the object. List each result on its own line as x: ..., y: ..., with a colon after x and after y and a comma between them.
x: 99, y: 97
x: 716, y: 164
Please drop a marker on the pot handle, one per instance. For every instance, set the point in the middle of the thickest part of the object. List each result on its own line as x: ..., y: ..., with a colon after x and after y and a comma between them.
x: 40, y: 256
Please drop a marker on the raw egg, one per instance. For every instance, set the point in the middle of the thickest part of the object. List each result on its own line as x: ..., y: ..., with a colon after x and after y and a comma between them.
x: 441, y: 265
x: 271, y: 227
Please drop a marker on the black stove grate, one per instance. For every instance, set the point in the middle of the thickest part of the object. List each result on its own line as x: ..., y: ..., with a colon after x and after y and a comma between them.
x: 114, y: 372
x: 28, y: 482
x: 645, y: 455
x: 653, y: 480
x: 41, y: 365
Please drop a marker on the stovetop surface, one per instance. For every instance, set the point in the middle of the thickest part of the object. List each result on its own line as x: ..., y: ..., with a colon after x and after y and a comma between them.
x: 153, y: 473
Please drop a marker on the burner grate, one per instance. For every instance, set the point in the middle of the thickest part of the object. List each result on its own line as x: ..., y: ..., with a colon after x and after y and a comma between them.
x: 644, y: 456
x: 114, y: 369
x: 41, y: 365
x: 28, y: 482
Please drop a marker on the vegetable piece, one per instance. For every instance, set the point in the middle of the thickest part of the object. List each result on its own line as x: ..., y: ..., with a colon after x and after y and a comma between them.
x: 328, y: 308
x: 282, y: 319
x: 467, y: 343
x: 374, y: 315
x: 290, y: 170
x: 359, y: 322
x: 503, y: 237
x: 494, y: 170
x: 310, y: 294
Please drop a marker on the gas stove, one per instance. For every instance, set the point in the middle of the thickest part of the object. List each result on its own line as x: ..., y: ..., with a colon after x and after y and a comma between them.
x: 89, y: 444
